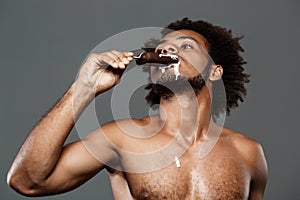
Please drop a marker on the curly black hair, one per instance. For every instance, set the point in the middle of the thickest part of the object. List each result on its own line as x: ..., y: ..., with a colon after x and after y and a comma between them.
x: 224, y: 49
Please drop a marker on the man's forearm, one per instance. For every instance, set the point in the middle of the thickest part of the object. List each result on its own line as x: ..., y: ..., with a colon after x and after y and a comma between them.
x: 40, y: 152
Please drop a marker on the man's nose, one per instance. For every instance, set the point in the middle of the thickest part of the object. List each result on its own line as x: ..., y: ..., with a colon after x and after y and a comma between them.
x: 169, y: 49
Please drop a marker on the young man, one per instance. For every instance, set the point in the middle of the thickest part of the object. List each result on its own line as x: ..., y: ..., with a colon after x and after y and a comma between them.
x: 235, y: 168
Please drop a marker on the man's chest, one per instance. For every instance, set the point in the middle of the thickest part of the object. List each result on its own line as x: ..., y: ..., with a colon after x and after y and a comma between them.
x: 220, y: 176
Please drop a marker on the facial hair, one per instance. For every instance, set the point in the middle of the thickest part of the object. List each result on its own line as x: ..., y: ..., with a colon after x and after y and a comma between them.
x: 167, y: 87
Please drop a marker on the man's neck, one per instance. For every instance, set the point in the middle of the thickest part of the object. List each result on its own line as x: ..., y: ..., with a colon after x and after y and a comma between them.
x: 186, y: 116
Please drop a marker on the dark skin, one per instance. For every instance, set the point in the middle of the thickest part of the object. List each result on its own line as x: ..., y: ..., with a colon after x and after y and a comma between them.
x: 234, y: 169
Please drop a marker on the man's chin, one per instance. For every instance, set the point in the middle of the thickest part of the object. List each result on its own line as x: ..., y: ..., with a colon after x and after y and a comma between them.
x: 168, y: 86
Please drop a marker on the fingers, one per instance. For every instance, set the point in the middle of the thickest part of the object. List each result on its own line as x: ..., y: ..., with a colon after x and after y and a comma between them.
x: 120, y: 58
x: 114, y: 58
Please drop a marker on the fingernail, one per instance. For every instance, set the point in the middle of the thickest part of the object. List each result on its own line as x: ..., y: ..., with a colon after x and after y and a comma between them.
x: 121, y: 65
x: 115, y: 64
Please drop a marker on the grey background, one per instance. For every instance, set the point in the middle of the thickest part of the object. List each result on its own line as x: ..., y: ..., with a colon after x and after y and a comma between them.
x: 43, y: 43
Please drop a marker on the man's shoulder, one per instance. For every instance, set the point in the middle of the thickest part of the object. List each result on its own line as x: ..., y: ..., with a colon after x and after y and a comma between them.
x: 240, y: 139
x: 121, y: 128
x: 250, y: 149
x: 125, y: 123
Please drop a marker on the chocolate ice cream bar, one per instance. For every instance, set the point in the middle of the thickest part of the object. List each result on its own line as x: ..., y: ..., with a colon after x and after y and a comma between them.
x: 152, y: 57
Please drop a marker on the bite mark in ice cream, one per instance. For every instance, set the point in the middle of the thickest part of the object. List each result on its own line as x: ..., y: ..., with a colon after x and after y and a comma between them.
x: 174, y: 57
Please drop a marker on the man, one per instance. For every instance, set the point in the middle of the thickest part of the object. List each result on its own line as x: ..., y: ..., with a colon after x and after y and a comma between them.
x: 235, y: 168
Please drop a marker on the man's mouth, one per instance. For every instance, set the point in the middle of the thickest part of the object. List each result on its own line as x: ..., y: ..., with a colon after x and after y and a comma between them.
x: 172, y: 56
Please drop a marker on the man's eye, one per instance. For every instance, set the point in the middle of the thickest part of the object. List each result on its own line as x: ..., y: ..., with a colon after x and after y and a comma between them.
x: 186, y: 46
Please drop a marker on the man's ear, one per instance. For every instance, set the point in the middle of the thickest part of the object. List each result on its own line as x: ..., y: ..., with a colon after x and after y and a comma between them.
x: 216, y: 72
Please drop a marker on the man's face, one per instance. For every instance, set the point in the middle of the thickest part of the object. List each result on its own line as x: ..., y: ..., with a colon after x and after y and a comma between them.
x: 191, y: 49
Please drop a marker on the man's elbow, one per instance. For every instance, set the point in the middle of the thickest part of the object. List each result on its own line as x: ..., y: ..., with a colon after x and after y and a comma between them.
x: 22, y: 186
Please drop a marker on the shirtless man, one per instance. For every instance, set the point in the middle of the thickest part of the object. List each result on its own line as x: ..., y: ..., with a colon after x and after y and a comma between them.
x: 234, y: 169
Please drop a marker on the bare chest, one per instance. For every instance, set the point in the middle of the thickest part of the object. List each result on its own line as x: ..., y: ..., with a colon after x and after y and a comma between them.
x: 221, y: 175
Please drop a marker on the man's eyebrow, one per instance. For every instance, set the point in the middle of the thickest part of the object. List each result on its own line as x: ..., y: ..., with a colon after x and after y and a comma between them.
x: 179, y: 38
x: 187, y: 37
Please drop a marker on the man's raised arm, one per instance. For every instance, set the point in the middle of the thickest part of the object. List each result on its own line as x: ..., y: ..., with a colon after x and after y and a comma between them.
x: 43, y: 166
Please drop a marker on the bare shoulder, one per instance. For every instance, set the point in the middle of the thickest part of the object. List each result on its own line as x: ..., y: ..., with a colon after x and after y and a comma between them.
x: 242, y: 142
x: 250, y: 149
x: 122, y: 130
x: 105, y: 142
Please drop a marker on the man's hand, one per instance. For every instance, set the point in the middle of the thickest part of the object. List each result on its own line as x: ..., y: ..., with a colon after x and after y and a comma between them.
x: 102, y: 71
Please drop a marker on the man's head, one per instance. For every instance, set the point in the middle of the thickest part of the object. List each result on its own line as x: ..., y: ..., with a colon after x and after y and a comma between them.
x: 192, y: 40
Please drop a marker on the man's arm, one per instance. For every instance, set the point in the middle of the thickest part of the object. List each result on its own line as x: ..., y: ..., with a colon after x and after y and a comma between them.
x: 43, y: 165
x: 252, y: 153
x: 259, y: 173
